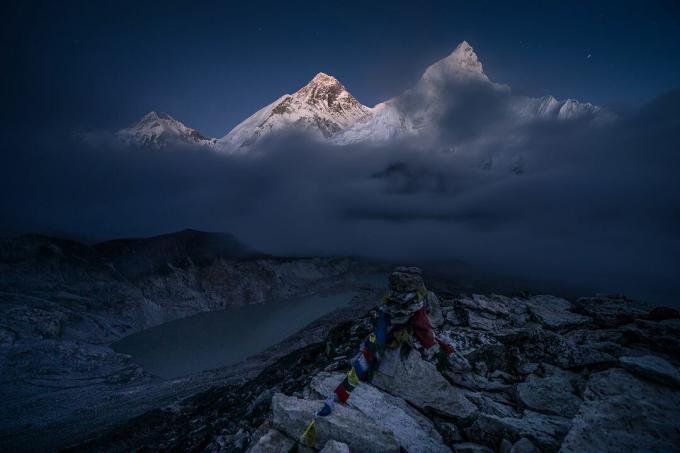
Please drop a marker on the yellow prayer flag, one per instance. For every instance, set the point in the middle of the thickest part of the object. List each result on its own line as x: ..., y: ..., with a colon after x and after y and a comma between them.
x: 308, y: 438
x: 352, y: 377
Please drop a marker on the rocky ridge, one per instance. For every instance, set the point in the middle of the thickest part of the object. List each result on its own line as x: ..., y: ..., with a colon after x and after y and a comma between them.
x: 532, y: 374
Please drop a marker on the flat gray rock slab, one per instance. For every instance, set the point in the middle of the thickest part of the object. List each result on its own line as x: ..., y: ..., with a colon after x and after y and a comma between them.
x: 413, y: 431
x: 418, y: 382
x: 624, y: 413
x: 546, y: 431
x: 652, y: 367
x: 554, y: 312
x: 333, y: 446
x: 552, y: 394
x: 524, y: 445
x: 272, y: 441
x: 292, y: 416
x: 471, y: 447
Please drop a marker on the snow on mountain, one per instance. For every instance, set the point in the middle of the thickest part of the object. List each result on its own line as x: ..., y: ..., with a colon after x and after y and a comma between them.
x: 323, y: 107
x: 462, y: 63
x: 547, y: 107
x: 415, y: 110
x: 158, y: 130
x: 326, y: 109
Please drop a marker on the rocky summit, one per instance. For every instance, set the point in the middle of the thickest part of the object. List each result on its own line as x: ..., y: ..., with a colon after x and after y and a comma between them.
x: 531, y: 374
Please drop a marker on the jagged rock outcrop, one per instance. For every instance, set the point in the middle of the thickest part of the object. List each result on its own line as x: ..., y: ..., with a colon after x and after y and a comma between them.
x: 292, y: 415
x: 548, y: 379
x: 623, y: 413
x: 413, y: 431
x: 652, y: 367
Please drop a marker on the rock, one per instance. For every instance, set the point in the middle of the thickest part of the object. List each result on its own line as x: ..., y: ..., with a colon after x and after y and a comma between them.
x: 663, y: 313
x: 465, y: 340
x: 419, y: 383
x: 488, y: 405
x: 272, y: 441
x: 413, y: 432
x: 546, y: 431
x: 524, y: 445
x: 652, y: 367
x: 494, y: 304
x: 662, y: 336
x: 505, y: 446
x: 623, y: 413
x: 484, y: 321
x: 333, y: 446
x: 470, y: 447
x: 528, y: 368
x: 7, y: 337
x: 547, y: 346
x: 474, y: 381
x: 434, y: 310
x: 406, y: 279
x: 552, y: 394
x: 554, y: 312
x: 292, y: 415
x: 502, y: 375
x: 451, y: 316
x: 450, y: 432
x: 611, y: 311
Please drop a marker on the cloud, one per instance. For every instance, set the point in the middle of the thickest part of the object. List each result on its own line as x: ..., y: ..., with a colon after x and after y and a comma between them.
x: 595, y: 207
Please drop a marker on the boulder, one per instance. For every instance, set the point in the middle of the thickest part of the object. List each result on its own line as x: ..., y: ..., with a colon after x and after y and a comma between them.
x: 661, y: 336
x: 272, y: 441
x: 524, y: 445
x: 465, y: 340
x: 333, y: 446
x: 419, y: 383
x: 494, y: 304
x: 554, y: 312
x: 488, y: 405
x: 611, y: 310
x: 449, y: 431
x: 470, y: 447
x: 663, y: 313
x: 292, y: 415
x: 546, y: 346
x: 546, y: 431
x: 451, y: 316
x: 434, y: 310
x: 623, y: 413
x: 485, y: 321
x: 413, y: 431
x: 652, y: 367
x: 552, y: 394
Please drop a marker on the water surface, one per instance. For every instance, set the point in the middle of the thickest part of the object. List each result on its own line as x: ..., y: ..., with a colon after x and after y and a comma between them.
x: 215, y: 339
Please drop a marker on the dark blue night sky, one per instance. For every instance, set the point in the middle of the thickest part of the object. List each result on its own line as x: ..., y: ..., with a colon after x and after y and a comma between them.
x: 102, y: 65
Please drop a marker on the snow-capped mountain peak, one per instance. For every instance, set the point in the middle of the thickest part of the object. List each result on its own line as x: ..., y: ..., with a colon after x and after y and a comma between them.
x: 323, y: 106
x: 462, y: 62
x: 157, y: 130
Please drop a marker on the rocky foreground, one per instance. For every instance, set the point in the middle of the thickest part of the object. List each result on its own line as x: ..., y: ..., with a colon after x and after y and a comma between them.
x: 534, y: 373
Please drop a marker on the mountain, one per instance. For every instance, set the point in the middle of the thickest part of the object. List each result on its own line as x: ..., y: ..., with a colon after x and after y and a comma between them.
x: 415, y: 112
x: 323, y: 106
x: 547, y: 107
x: 159, y: 130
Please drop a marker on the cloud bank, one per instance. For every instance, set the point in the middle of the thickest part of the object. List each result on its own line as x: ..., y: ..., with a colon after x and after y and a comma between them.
x: 591, y: 205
